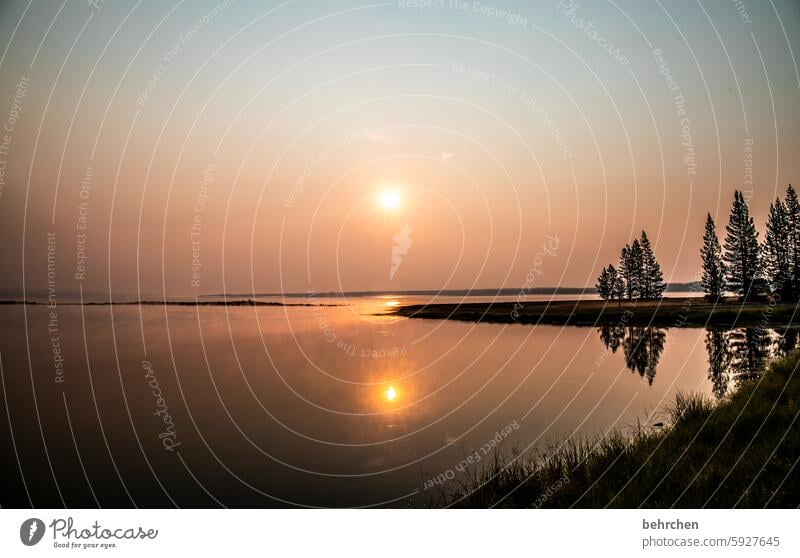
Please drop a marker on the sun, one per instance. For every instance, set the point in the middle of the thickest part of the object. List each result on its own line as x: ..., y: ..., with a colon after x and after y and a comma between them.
x: 390, y: 393
x: 390, y: 199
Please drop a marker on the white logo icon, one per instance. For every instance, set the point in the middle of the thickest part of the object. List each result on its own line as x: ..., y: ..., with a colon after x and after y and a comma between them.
x: 402, y: 243
x: 31, y: 531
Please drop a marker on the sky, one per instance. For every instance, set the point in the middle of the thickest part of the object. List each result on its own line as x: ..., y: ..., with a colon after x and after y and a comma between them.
x: 186, y: 148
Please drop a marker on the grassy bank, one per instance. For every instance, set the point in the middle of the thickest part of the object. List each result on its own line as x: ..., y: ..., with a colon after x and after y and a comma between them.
x: 742, y: 452
x: 666, y: 312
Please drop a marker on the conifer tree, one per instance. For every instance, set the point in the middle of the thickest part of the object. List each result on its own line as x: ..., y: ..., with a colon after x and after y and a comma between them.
x: 743, y: 266
x: 603, y: 285
x: 713, y: 265
x: 652, y: 280
x: 635, y: 263
x: 609, y: 285
x: 627, y: 272
x: 792, y: 206
x: 615, y: 283
x: 776, y: 250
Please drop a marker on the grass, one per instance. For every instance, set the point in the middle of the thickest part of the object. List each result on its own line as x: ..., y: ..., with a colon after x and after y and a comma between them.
x: 741, y: 452
x: 665, y: 312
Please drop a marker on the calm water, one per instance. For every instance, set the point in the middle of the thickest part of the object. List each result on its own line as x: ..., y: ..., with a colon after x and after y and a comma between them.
x: 318, y: 406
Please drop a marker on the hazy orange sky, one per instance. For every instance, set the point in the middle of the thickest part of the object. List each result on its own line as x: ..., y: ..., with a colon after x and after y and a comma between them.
x: 254, y: 139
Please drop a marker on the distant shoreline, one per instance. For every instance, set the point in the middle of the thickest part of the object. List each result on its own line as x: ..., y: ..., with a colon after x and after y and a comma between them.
x: 248, y: 302
x: 17, y: 296
x: 495, y: 291
x: 665, y: 312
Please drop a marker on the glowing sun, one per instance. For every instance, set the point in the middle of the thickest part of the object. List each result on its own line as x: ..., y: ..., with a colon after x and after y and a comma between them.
x: 390, y: 200
x: 390, y: 393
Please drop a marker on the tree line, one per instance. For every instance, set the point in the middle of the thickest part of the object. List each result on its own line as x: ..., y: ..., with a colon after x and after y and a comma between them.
x: 637, y: 276
x: 746, y: 267
x: 741, y: 265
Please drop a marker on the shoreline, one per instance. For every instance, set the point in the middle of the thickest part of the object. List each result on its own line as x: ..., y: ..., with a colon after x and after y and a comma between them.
x: 248, y: 302
x: 740, y: 452
x: 665, y: 312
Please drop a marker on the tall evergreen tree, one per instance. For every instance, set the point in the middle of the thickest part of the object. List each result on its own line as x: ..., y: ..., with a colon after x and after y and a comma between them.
x: 603, y: 285
x: 645, y: 292
x: 792, y: 206
x: 776, y: 251
x: 627, y: 272
x: 608, y: 284
x: 713, y: 265
x: 652, y: 280
x: 615, y: 283
x: 636, y: 264
x: 742, y: 250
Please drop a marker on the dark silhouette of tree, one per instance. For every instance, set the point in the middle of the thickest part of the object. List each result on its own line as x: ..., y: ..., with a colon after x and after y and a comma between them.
x: 785, y: 341
x: 652, y: 281
x: 718, y: 362
x: 609, y: 285
x: 611, y: 336
x: 742, y: 259
x: 615, y: 283
x: 642, y: 347
x: 638, y: 274
x: 741, y: 354
x: 749, y: 350
x: 713, y: 265
x: 777, y: 259
x: 627, y: 272
x: 635, y: 263
x: 604, y: 284
x: 656, y: 340
x: 792, y: 206
x: 630, y: 269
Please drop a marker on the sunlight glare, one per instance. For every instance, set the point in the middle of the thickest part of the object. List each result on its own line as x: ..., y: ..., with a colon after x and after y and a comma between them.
x: 390, y: 199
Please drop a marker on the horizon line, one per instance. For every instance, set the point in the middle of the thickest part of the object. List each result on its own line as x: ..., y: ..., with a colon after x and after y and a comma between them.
x: 473, y: 291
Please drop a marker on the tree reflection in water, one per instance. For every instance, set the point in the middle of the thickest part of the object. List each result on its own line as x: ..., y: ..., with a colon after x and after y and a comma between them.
x: 739, y: 354
x: 641, y: 346
x: 718, y: 361
x: 734, y: 355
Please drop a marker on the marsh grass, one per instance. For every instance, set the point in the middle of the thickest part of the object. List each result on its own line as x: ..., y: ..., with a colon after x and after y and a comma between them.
x: 741, y: 452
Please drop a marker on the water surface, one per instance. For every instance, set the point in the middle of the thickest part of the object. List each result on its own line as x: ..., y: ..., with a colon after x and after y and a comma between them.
x: 319, y: 406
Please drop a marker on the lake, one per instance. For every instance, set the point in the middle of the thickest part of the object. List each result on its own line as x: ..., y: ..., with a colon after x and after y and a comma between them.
x: 341, y: 405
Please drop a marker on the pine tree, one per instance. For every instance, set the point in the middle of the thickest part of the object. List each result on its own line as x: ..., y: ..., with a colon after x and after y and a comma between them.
x: 645, y: 292
x: 614, y: 283
x: 609, y: 284
x: 713, y: 265
x: 742, y: 250
x: 652, y: 282
x: 776, y: 250
x: 636, y: 264
x: 603, y: 285
x: 630, y: 270
x: 627, y: 272
x: 792, y: 206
